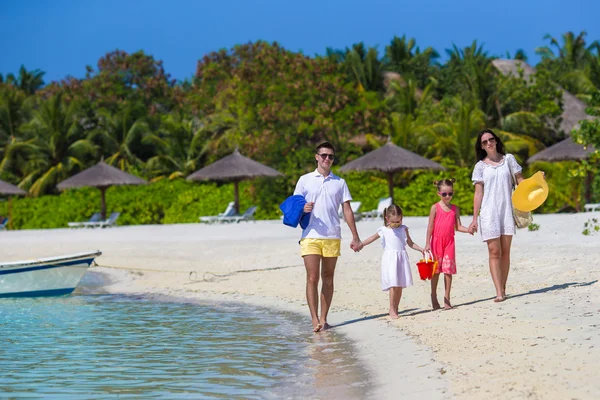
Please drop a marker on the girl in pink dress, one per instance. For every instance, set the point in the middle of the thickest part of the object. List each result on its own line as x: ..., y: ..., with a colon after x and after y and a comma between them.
x: 444, y: 220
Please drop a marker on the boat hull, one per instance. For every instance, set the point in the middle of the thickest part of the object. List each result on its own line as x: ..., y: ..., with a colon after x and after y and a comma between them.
x: 57, y: 276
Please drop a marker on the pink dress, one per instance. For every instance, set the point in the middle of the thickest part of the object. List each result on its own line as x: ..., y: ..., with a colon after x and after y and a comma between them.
x: 442, y: 239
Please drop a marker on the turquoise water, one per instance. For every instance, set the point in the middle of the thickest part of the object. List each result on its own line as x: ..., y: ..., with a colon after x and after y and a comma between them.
x: 93, y: 346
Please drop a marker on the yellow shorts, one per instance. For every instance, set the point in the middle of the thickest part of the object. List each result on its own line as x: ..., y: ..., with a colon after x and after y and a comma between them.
x: 321, y: 247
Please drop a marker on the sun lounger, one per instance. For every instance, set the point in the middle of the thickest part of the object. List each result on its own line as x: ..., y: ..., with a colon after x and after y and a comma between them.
x: 355, y: 206
x: 248, y: 215
x: 229, y: 212
x: 110, y: 222
x: 94, y: 218
x: 592, y: 207
x: 378, y: 213
x: 3, y: 224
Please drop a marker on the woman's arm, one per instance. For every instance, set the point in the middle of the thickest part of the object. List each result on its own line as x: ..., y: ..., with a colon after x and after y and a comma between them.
x: 459, y: 226
x: 430, y: 228
x: 412, y: 244
x: 476, y: 205
x: 370, y: 239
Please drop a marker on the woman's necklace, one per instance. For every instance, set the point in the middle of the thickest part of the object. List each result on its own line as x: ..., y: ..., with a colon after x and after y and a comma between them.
x: 499, y: 158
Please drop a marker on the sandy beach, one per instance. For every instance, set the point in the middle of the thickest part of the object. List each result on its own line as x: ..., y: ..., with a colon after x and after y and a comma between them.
x: 542, y: 343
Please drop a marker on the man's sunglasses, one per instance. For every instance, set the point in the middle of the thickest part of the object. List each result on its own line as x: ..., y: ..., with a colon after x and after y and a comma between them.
x: 324, y: 156
x: 444, y: 194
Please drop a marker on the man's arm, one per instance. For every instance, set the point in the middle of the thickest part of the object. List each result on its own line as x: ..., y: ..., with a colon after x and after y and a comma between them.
x: 356, y: 244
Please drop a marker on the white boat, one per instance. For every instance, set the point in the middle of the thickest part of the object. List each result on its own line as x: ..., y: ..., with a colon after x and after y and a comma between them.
x: 53, y: 276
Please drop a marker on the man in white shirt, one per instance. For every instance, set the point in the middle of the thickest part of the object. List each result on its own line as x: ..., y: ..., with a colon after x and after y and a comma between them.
x: 320, y: 243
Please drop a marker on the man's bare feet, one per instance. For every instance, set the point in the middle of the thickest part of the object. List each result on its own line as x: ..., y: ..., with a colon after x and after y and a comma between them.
x: 317, y: 327
x: 326, y: 326
x: 499, y: 299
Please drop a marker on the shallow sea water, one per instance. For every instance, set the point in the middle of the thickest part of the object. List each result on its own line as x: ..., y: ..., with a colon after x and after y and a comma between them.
x: 98, y: 345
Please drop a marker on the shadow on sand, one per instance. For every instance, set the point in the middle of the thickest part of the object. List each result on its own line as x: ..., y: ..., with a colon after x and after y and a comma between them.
x: 411, y: 312
x: 536, y: 291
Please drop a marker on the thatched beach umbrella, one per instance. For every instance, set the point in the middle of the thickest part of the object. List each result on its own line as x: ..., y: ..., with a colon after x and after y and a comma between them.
x: 234, y: 168
x: 567, y: 150
x: 9, y: 190
x: 390, y: 159
x: 101, y: 176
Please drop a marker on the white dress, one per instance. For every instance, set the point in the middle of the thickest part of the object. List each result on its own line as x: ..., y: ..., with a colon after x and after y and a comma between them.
x: 395, y: 268
x: 495, y: 214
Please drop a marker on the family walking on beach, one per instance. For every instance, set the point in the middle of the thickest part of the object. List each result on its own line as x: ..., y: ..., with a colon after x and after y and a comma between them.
x: 321, y: 193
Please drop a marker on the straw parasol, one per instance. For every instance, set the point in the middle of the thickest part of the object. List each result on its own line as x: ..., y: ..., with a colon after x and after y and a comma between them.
x: 390, y: 159
x: 9, y: 190
x: 567, y: 150
x: 101, y: 176
x: 234, y: 168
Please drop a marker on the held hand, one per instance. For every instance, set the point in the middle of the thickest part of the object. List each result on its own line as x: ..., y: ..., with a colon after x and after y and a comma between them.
x: 473, y: 227
x: 426, y: 249
x: 308, y: 207
x: 356, y: 245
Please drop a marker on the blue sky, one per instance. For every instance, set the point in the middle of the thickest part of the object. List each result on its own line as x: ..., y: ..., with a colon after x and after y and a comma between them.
x: 61, y: 37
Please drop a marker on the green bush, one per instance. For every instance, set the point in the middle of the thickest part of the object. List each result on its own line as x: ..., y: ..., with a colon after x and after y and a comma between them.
x: 181, y: 201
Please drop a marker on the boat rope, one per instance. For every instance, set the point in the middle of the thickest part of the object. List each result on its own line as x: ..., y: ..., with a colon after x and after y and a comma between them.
x: 193, y: 275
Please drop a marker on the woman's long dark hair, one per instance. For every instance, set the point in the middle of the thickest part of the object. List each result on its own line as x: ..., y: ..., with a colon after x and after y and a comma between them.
x: 480, y: 153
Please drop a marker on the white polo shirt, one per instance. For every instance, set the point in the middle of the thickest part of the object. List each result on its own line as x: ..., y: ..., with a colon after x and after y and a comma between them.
x: 327, y: 193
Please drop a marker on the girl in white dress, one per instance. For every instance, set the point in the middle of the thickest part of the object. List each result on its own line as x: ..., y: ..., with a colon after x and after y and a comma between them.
x: 395, y: 267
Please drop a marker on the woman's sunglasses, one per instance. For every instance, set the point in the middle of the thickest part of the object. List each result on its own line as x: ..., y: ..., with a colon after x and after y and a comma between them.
x: 444, y: 194
x: 324, y: 156
x: 490, y: 141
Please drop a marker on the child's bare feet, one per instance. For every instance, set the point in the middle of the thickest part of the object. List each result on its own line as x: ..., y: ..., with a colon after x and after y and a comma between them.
x: 435, y: 303
x: 447, y: 305
x: 394, y: 314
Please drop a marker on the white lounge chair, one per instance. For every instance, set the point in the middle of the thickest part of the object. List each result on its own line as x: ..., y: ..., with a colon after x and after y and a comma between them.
x: 94, y: 218
x: 108, y: 223
x: 248, y: 215
x: 229, y: 212
x: 378, y: 213
x: 592, y: 207
x: 355, y: 206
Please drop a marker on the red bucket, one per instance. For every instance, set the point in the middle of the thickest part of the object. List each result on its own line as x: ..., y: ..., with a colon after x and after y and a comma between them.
x: 425, y: 270
x: 426, y: 267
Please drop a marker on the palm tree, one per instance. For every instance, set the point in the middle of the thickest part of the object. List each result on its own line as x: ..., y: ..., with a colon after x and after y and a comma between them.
x: 54, y: 146
x: 12, y: 112
x: 120, y: 136
x: 364, y: 67
x: 178, y: 145
x: 455, y: 136
x: 404, y: 57
x: 572, y: 64
x: 27, y: 81
x: 470, y: 74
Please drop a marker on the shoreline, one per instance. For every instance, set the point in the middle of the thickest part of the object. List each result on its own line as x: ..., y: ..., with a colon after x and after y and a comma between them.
x: 538, y: 344
x: 413, y: 364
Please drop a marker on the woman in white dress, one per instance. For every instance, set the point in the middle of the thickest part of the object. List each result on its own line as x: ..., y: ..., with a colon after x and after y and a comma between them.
x: 395, y: 267
x: 493, y: 204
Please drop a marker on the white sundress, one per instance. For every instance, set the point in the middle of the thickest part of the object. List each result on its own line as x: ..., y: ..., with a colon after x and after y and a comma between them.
x: 495, y: 214
x: 395, y: 267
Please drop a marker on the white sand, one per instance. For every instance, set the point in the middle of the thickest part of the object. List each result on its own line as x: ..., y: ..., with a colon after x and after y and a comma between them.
x: 541, y: 343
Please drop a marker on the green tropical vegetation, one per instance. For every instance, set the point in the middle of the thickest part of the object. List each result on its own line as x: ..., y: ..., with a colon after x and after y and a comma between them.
x: 275, y: 105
